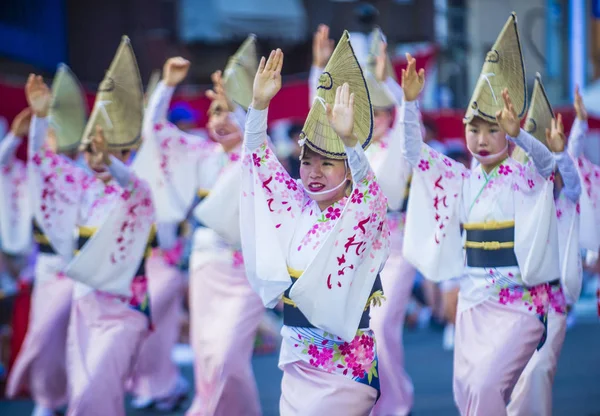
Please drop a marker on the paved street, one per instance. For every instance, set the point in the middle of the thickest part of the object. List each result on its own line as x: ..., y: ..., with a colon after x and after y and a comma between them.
x: 576, y: 390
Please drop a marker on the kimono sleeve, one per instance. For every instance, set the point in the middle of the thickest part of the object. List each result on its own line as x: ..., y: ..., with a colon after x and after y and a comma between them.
x: 432, y: 238
x: 271, y: 200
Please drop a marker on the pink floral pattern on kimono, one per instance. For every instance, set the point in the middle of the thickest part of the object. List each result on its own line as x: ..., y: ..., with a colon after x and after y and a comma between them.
x: 356, y: 360
x: 590, y: 175
x: 64, y: 189
x: 14, y: 175
x: 365, y: 233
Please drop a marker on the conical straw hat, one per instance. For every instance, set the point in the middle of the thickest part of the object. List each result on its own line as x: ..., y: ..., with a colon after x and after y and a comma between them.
x: 503, y: 68
x: 119, y: 104
x: 342, y: 67
x: 68, y: 110
x: 377, y: 38
x: 379, y: 97
x: 152, y: 83
x: 539, y: 117
x: 238, y: 76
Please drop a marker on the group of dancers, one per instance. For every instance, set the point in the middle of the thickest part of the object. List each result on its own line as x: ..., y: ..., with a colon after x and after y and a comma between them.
x: 109, y: 196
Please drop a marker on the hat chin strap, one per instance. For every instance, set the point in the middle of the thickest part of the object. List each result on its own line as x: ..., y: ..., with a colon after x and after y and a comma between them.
x: 332, y: 189
x: 485, y: 160
x: 327, y: 191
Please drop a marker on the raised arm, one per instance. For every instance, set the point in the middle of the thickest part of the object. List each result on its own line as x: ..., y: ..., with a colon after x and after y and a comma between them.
x: 322, y: 49
x: 536, y: 150
x: 56, y: 185
x: 556, y: 141
x: 579, y: 127
x: 18, y: 129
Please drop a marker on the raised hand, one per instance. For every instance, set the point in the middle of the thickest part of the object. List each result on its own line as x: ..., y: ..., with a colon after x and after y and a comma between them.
x: 412, y: 81
x: 267, y: 81
x: 556, y: 136
x: 38, y: 95
x: 218, y: 92
x: 381, y: 63
x: 507, y: 117
x: 175, y: 71
x: 322, y: 46
x: 20, y: 125
x: 341, y: 117
x: 579, y: 106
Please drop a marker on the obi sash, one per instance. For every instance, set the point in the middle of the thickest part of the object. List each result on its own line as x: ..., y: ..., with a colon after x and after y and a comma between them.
x: 42, y: 240
x: 490, y: 244
x: 293, y: 317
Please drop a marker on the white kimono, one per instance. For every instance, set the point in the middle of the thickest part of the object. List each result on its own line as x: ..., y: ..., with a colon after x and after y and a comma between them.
x: 589, y: 174
x: 15, y: 207
x: 338, y: 252
x: 444, y: 195
x: 66, y: 197
x: 189, y: 164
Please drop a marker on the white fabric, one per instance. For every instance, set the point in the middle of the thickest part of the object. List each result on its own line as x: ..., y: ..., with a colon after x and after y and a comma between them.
x: 172, y: 196
x: 63, y: 242
x: 8, y: 148
x: 589, y: 211
x: 219, y: 211
x: 571, y: 272
x: 123, y: 216
x: 391, y: 170
x: 269, y: 279
x: 433, y: 240
x: 277, y: 215
x: 15, y: 204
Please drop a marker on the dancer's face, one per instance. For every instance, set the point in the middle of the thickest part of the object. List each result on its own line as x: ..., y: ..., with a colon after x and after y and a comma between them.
x: 486, y: 139
x: 321, y: 174
x: 222, y: 128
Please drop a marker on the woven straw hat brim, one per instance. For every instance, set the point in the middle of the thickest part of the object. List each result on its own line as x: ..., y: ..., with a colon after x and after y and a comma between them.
x: 503, y: 68
x: 68, y: 110
x: 343, y: 67
x: 540, y: 114
x: 238, y: 76
x: 119, y: 105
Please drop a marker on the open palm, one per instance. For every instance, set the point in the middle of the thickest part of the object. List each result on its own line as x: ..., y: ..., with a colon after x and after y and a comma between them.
x: 341, y: 117
x: 267, y: 81
x: 38, y: 95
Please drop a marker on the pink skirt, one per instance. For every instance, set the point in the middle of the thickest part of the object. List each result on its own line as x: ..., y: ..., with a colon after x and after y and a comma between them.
x: 387, y: 322
x: 155, y: 374
x: 493, y: 344
x: 224, y: 315
x: 40, y: 366
x: 104, y: 337
x: 532, y: 395
x: 306, y: 391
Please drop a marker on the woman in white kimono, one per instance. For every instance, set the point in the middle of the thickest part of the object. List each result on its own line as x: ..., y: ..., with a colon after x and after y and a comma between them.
x: 224, y: 311
x: 589, y: 174
x: 507, y: 210
x: 532, y: 394
x: 393, y: 175
x: 40, y: 366
x: 322, y: 240
x: 112, y: 210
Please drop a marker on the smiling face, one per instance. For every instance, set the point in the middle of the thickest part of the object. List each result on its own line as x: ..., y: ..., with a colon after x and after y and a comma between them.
x: 320, y: 175
x: 486, y: 141
x: 222, y: 128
